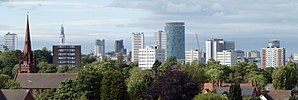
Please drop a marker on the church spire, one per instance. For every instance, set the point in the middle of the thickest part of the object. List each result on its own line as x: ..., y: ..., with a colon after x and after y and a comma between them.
x: 27, y: 64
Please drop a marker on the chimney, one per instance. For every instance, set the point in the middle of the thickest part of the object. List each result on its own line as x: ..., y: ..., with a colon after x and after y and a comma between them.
x: 217, y: 84
x: 255, y: 83
x: 220, y: 83
x: 212, y: 83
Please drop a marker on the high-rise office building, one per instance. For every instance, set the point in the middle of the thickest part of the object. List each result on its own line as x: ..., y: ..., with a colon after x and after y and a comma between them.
x: 227, y: 57
x: 62, y: 35
x: 273, y: 55
x: 119, y: 47
x: 148, y: 55
x: 137, y: 43
x: 192, y: 55
x: 253, y: 54
x: 99, y: 48
x: 229, y: 45
x: 175, y: 34
x: 11, y: 41
x: 67, y: 55
x: 212, y: 47
x: 160, y: 39
x: 217, y: 45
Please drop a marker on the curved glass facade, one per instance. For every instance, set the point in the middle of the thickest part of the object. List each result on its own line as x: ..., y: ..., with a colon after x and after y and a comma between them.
x: 175, y: 33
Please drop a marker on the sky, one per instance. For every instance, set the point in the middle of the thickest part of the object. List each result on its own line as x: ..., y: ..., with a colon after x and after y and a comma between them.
x: 250, y: 23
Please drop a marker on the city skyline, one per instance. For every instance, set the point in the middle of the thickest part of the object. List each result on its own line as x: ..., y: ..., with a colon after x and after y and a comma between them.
x: 86, y: 21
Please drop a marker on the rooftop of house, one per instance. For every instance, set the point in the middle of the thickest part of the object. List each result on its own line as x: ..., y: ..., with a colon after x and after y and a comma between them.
x: 15, y: 94
x: 43, y: 80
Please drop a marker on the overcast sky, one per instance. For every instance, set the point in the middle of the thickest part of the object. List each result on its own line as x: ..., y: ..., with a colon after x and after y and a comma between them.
x: 251, y: 23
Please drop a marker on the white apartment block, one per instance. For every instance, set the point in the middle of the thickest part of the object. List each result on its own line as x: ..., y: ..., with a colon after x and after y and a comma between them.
x: 192, y: 55
x: 148, y: 55
x: 11, y: 41
x: 227, y: 57
x: 212, y: 47
x: 137, y: 43
x: 273, y: 57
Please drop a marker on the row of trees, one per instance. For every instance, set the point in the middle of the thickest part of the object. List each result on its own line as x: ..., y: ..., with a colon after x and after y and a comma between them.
x: 115, y: 79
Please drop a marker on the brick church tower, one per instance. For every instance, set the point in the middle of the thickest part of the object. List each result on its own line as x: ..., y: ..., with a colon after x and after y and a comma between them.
x: 27, y: 63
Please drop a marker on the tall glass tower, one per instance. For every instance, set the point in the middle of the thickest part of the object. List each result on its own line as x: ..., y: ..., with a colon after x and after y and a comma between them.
x: 175, y: 34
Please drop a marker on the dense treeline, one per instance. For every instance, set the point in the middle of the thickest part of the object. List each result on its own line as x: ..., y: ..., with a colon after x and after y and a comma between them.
x: 116, y: 80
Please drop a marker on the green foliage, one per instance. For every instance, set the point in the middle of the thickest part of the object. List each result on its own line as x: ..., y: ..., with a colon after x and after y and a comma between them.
x: 3, y: 80
x: 12, y: 85
x: 196, y: 71
x: 68, y: 90
x: 87, y: 60
x: 268, y: 74
x: 170, y: 62
x: 138, y: 81
x: 89, y: 80
x: 10, y: 58
x: 285, y: 77
x: 173, y: 85
x: 43, y: 55
x: 235, y: 92
x: 113, y: 86
x: 215, y: 74
x: 120, y: 60
x: 46, y: 95
x: 64, y: 69
x: 44, y: 67
x: 209, y: 96
x: 155, y: 66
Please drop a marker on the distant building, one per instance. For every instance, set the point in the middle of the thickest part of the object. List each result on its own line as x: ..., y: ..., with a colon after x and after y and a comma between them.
x: 212, y: 47
x: 62, y: 35
x: 175, y: 34
x: 148, y: 55
x: 273, y: 55
x: 119, y: 47
x: 11, y: 41
x: 192, y: 55
x: 137, y: 43
x: 67, y: 55
x: 227, y: 57
x: 160, y: 39
x: 3, y: 47
x: 217, y: 45
x: 99, y: 51
x: 253, y: 54
x: 229, y: 45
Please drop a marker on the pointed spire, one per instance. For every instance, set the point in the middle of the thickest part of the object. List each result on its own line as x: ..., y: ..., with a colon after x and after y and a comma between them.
x: 27, y: 64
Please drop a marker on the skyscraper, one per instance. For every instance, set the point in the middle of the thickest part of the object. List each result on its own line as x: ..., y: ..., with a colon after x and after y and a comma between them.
x: 229, y: 45
x: 27, y: 64
x: 119, y: 47
x: 217, y: 45
x: 11, y: 41
x: 137, y: 43
x: 62, y: 35
x: 212, y: 47
x: 273, y: 55
x: 67, y: 55
x: 175, y: 34
x: 160, y: 39
x: 99, y: 48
